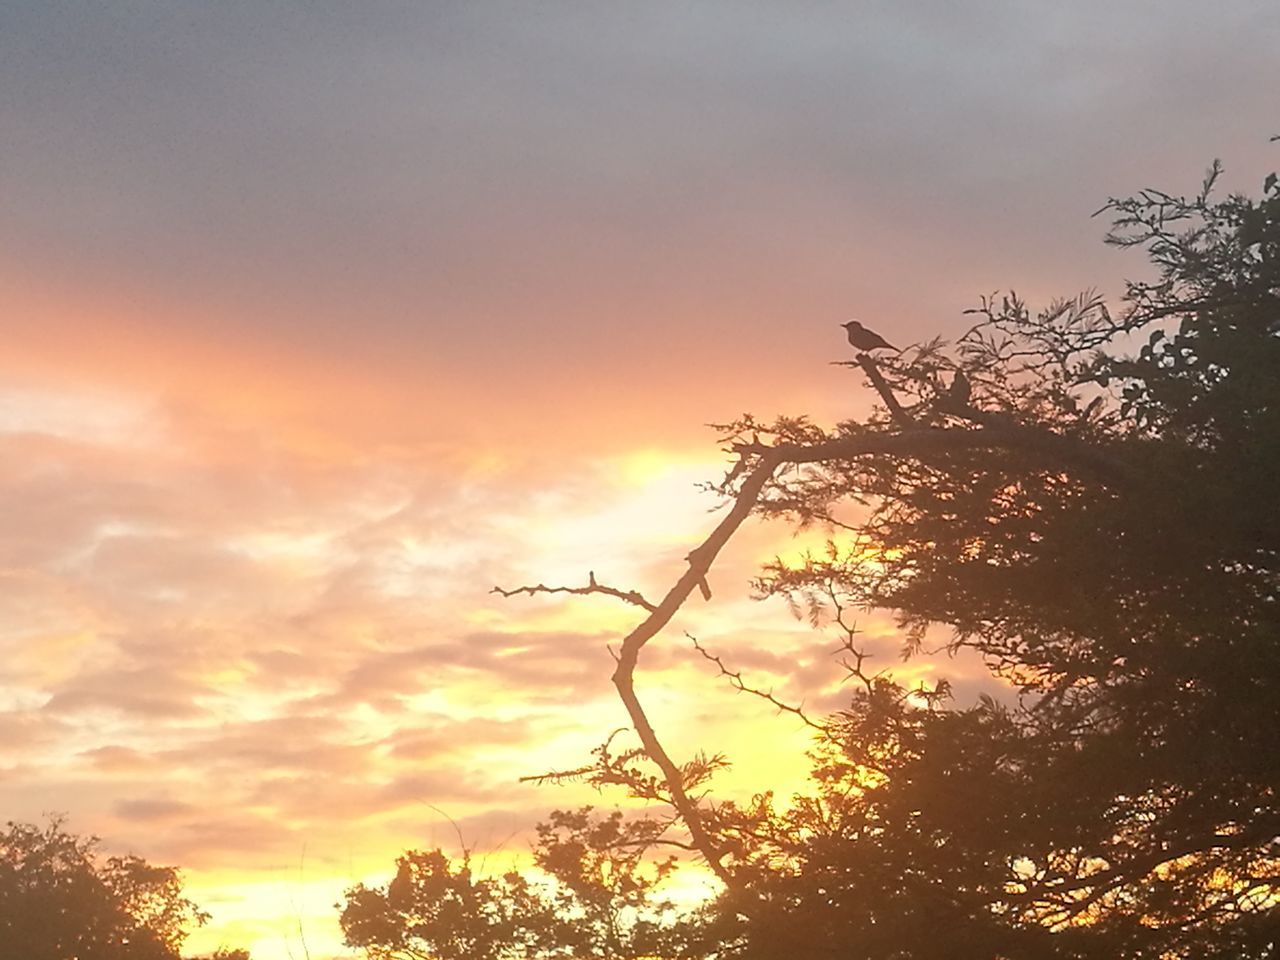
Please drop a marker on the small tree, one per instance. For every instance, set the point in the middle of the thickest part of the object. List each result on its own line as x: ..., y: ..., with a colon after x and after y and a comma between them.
x: 60, y: 900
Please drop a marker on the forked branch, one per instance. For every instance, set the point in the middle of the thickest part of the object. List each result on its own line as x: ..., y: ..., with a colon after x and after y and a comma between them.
x: 756, y: 467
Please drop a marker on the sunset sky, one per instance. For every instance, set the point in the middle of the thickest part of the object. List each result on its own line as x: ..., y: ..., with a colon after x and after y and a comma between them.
x: 320, y: 320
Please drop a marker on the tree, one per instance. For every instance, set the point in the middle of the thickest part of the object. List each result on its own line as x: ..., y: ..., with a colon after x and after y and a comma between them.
x: 60, y: 900
x: 1088, y: 500
x: 1112, y: 552
x: 593, y: 895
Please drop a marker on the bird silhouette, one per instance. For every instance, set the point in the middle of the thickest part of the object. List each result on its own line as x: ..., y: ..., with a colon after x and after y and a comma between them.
x: 860, y: 338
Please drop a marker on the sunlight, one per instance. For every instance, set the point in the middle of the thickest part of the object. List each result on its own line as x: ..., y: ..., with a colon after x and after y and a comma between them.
x: 368, y: 376
x: 92, y: 416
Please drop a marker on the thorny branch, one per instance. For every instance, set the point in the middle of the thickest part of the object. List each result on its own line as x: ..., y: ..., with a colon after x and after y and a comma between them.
x: 853, y: 668
x: 738, y: 683
x: 593, y: 586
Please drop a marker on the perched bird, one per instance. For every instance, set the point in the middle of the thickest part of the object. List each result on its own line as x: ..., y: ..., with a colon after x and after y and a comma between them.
x: 863, y: 339
x: 961, y: 390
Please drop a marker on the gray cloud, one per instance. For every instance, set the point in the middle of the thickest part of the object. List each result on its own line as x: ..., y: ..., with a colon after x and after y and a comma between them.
x: 151, y: 809
x: 393, y: 168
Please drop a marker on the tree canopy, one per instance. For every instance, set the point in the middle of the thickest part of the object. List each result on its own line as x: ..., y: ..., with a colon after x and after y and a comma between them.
x: 1108, y: 543
x: 59, y: 900
x: 593, y: 895
x: 1086, y: 497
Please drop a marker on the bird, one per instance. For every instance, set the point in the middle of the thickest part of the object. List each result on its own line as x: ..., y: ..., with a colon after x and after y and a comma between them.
x: 961, y: 390
x: 860, y: 338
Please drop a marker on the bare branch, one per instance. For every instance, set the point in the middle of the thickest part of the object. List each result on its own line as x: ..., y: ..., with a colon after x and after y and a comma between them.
x: 900, y: 416
x: 700, y: 560
x: 847, y: 644
x: 738, y: 683
x: 757, y: 466
x: 633, y: 597
x: 868, y: 364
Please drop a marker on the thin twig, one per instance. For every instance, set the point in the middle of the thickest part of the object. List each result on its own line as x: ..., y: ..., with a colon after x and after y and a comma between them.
x: 738, y: 683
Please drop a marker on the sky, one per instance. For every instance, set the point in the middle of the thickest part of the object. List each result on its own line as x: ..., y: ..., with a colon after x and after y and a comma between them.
x: 320, y: 320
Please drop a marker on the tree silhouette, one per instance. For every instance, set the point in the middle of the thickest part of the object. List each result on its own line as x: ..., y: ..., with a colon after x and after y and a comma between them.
x: 593, y: 895
x: 1089, y: 501
x: 59, y: 900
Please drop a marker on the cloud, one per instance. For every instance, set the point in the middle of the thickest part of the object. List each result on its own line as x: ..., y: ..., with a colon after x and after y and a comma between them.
x: 151, y: 692
x: 152, y: 809
x: 320, y: 324
x: 484, y: 221
x: 446, y: 737
x: 119, y: 760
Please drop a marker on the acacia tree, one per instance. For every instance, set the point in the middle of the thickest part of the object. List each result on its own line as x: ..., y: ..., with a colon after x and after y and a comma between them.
x: 1102, y: 527
x: 1087, y: 499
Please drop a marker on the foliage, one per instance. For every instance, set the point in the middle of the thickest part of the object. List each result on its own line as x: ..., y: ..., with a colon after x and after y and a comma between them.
x: 594, y: 895
x: 59, y: 899
x: 1113, y: 555
x: 1088, y: 500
